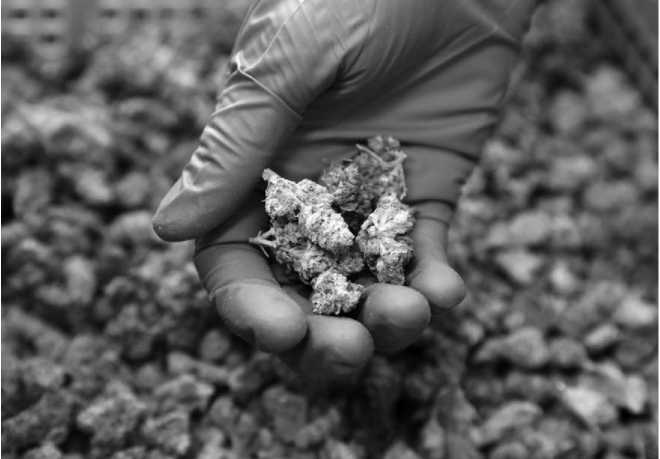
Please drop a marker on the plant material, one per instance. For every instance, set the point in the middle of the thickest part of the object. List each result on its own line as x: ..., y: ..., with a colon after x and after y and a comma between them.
x: 313, y: 225
x: 374, y: 171
x: 310, y: 205
x: 384, y: 242
x: 334, y: 294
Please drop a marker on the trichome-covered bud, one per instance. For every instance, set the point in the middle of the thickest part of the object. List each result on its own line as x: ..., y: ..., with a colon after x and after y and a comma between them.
x: 334, y: 294
x: 284, y: 198
x: 390, y: 265
x: 390, y: 218
x: 310, y: 261
x: 357, y: 182
x: 350, y: 262
x: 281, y: 196
x: 344, y: 181
x: 314, y: 194
x: 313, y: 225
x: 294, y: 252
x: 324, y: 226
x: 383, y: 241
x: 387, y: 175
x: 280, y: 234
x: 385, y: 145
x: 310, y: 205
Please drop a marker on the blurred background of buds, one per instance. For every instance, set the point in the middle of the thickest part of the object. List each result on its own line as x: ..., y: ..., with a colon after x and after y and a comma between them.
x: 111, y: 349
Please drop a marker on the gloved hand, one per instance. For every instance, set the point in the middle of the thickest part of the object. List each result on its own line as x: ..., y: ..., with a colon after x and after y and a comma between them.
x: 309, y: 79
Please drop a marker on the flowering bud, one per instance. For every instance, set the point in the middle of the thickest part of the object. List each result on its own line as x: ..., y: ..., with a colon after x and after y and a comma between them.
x: 281, y: 196
x: 356, y: 184
x: 325, y: 227
x: 383, y: 242
x: 311, y: 225
x: 334, y: 294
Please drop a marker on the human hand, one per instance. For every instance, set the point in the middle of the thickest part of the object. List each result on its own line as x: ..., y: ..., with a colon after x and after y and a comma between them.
x: 275, y: 314
x: 308, y: 80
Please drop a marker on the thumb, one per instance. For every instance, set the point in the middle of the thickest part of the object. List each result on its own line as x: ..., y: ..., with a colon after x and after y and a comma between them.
x: 246, y: 129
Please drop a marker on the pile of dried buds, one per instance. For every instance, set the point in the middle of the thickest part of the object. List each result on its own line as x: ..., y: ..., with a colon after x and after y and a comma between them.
x: 328, y: 233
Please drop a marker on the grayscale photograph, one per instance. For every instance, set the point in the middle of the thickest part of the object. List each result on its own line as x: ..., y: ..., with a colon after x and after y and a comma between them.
x: 329, y: 229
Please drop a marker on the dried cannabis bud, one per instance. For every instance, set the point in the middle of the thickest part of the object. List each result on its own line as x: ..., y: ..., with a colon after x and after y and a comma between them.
x: 302, y: 256
x: 334, y: 294
x: 313, y: 225
x: 383, y: 241
x: 357, y: 182
x: 309, y: 204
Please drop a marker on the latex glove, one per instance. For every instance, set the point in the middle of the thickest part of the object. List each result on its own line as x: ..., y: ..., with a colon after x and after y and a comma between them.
x: 308, y: 80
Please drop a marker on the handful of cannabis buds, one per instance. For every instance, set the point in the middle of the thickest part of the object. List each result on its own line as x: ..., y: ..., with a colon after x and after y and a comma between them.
x: 329, y: 233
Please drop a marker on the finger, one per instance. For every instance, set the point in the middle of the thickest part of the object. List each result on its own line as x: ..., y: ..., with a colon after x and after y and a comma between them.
x: 300, y: 294
x: 431, y: 274
x: 236, y: 145
x: 335, y: 351
x: 247, y: 297
x: 394, y: 315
